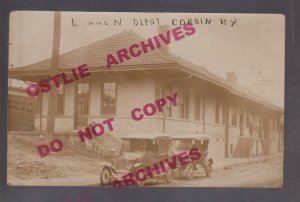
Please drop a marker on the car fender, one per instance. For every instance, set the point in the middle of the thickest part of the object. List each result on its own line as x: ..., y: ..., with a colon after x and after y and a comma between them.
x: 137, y: 165
x: 106, y: 164
x: 103, y: 164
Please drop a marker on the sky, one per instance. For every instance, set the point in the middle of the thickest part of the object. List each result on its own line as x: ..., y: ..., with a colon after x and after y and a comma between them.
x: 251, y: 45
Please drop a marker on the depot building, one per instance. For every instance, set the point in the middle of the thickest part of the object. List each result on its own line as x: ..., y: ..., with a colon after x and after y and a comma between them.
x: 232, y: 116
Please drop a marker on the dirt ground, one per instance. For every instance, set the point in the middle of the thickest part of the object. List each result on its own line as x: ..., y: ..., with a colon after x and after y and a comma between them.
x: 76, y: 165
x: 267, y: 173
x: 25, y: 164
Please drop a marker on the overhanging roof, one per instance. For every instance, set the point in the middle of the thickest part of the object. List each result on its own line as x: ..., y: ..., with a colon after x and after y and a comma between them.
x: 94, y: 55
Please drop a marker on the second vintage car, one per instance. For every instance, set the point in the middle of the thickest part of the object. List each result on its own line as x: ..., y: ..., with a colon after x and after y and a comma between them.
x: 187, y: 141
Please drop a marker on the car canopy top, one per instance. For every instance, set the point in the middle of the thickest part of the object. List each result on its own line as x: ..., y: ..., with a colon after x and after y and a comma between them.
x: 191, y: 137
x: 148, y: 136
x: 161, y: 136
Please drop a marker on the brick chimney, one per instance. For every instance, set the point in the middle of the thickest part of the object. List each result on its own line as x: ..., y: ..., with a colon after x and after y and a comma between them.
x: 232, y: 78
x: 162, y: 29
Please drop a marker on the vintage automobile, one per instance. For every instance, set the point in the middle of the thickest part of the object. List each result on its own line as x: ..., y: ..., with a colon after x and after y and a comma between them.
x: 186, y: 142
x: 138, y: 151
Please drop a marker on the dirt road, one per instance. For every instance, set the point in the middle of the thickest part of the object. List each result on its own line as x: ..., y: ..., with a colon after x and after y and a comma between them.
x: 25, y: 167
x: 266, y: 173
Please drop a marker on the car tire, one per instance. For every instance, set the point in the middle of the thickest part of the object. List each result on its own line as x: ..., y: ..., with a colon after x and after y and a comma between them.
x: 105, y: 176
x: 169, y: 176
x: 208, y: 168
x: 140, y: 183
x: 190, y: 172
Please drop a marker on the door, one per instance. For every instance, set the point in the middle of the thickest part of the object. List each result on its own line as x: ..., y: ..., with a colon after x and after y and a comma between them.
x: 82, y: 105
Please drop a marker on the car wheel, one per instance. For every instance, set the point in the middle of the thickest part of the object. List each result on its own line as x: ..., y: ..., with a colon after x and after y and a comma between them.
x: 169, y: 176
x: 208, y: 169
x: 190, y: 172
x: 105, y: 177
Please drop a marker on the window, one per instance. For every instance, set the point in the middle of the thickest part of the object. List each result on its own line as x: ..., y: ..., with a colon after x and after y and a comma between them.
x: 168, y: 107
x: 271, y: 123
x: 234, y: 116
x: 159, y: 93
x: 183, y: 104
x: 247, y: 119
x: 82, y: 99
x: 217, y: 112
x: 241, y: 118
x: 180, y: 104
x: 60, y: 101
x: 224, y: 112
x: 186, y: 105
x: 198, y: 106
x: 83, y: 88
x: 277, y: 124
x: 37, y: 108
x: 109, y: 98
x: 158, y: 90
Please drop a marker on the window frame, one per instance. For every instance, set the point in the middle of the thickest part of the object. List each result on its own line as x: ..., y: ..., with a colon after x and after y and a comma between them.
x: 217, y: 112
x: 102, y: 98
x: 89, y: 96
x: 234, y: 115
x: 63, y: 101
x: 184, y: 110
x: 224, y: 113
x: 168, y: 107
x: 198, y: 103
x: 186, y: 100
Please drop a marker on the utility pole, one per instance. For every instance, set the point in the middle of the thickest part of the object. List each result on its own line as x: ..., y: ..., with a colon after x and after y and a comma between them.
x: 53, y: 70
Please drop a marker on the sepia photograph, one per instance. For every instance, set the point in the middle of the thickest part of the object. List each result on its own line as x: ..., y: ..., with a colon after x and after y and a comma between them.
x: 125, y: 99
